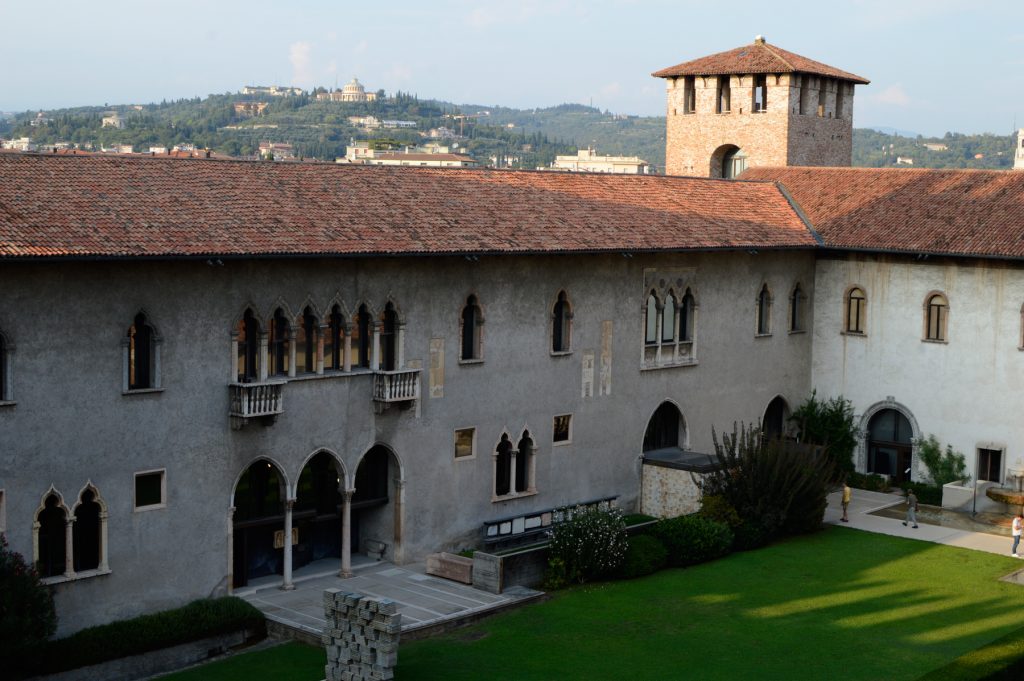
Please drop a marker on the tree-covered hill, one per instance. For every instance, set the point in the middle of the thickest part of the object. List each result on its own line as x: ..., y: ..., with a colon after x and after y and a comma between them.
x: 518, y: 138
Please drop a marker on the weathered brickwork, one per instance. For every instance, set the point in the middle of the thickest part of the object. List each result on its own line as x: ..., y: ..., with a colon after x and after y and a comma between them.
x: 779, y: 136
x: 361, y: 637
x: 668, y: 492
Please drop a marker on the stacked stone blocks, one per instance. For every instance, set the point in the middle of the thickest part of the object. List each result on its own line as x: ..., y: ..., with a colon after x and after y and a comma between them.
x: 361, y: 637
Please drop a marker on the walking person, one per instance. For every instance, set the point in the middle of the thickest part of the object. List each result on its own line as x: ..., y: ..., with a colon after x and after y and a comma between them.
x: 847, y: 495
x: 911, y: 509
x: 1015, y: 529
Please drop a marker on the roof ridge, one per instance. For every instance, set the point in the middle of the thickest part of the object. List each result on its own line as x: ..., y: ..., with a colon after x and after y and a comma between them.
x: 785, y: 61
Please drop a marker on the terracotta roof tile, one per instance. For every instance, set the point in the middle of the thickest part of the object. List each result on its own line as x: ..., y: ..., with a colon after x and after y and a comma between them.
x: 951, y: 212
x: 86, y: 206
x: 758, y: 57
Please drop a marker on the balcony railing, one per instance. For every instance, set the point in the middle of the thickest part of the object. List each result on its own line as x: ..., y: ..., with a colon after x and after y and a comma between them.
x: 402, y: 385
x: 250, y: 400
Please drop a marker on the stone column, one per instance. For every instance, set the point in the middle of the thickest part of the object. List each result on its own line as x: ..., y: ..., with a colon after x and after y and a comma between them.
x: 104, y: 565
x: 400, y: 347
x: 375, y: 348
x: 323, y: 328
x: 231, y: 550
x: 512, y: 472
x: 234, y: 359
x: 69, y: 546
x: 346, y: 355
x: 399, y: 551
x: 126, y: 362
x: 292, y: 351
x: 262, y: 358
x: 657, y: 330
x: 346, y: 534
x: 287, y: 584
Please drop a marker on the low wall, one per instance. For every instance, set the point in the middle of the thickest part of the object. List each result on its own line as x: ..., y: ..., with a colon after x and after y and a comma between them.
x: 959, y: 497
x: 495, y: 573
x: 155, y: 662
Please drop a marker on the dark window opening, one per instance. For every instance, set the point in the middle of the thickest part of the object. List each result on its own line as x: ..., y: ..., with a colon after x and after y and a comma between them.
x: 388, y: 338
x: 760, y: 94
x: 503, y: 472
x: 775, y: 417
x: 248, y: 348
x: 840, y: 92
x: 278, y: 348
x: 306, y: 339
x: 689, y: 94
x: 664, y: 428
x: 86, y: 533
x: 524, y: 460
x: 686, y: 311
x: 724, y: 95
x: 855, y: 309
x: 764, y: 307
x: 149, y: 489
x: 560, y: 329
x: 937, y: 310
x: 561, y: 428
x: 362, y: 337
x: 372, y: 478
x: 471, y: 329
x: 52, y: 538
x: 990, y: 465
x: 890, y: 445
x: 140, y: 354
x: 822, y: 96
x: 796, y: 310
x: 3, y: 368
x: 334, y: 342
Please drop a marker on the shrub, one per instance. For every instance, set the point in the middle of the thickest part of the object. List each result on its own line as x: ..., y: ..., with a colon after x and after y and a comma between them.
x: 777, y: 487
x: 926, y: 494
x: 27, y: 615
x: 197, y: 620
x: 692, y: 539
x: 829, y: 424
x: 590, y: 543
x: 872, y: 482
x: 645, y: 555
x: 716, y: 507
x: 943, y: 466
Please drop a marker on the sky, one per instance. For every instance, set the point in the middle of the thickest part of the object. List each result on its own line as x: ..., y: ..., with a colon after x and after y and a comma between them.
x: 934, y: 65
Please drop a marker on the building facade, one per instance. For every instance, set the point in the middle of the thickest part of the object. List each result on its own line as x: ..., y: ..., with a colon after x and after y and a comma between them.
x: 589, y: 161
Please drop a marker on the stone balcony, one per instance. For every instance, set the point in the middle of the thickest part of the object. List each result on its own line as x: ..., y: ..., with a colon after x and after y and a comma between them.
x: 399, y: 386
x: 255, y: 400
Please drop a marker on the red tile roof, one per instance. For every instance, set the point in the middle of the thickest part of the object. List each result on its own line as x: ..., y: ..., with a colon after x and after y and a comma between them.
x: 86, y: 206
x: 952, y: 212
x: 759, y: 57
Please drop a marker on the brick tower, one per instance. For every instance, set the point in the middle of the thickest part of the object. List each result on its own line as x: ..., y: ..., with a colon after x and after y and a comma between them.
x: 757, y: 105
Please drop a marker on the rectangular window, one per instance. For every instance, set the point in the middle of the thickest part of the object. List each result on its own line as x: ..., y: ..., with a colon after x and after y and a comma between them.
x: 465, y: 442
x: 150, y: 490
x: 724, y: 98
x: 689, y: 95
x: 822, y: 96
x: 562, y: 429
x: 840, y: 87
x: 760, y: 94
x: 990, y: 465
x: 805, y: 95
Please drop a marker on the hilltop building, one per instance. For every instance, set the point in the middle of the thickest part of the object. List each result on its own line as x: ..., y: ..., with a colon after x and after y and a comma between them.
x: 112, y: 120
x: 272, y: 90
x: 250, y: 109
x: 589, y: 161
x: 354, y: 91
x: 756, y: 105
x: 398, y: 361
x: 276, y: 151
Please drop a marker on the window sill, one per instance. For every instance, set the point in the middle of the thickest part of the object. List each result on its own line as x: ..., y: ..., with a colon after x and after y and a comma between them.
x: 512, y: 497
x: 86, y: 574
x: 471, y: 362
x: 797, y: 332
x: 328, y: 374
x: 669, y: 365
x: 141, y: 391
x: 855, y: 334
x: 936, y: 341
x: 762, y: 335
x: 151, y: 507
x: 11, y: 403
x: 465, y: 457
x: 560, y: 353
x: 562, y: 443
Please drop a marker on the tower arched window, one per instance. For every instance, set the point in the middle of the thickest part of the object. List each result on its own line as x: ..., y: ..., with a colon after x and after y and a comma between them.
x: 524, y: 465
x: 764, y: 311
x: 306, y: 343
x: 856, y: 310
x: 363, y: 336
x: 561, y: 324
x: 141, y: 356
x: 51, y: 543
x: 89, y: 532
x: 279, y: 349
x: 503, y: 467
x: 668, y: 319
x: 686, y: 317
x: 247, y: 359
x: 472, y: 330
x: 389, y: 338
x: 936, y: 317
x: 651, y: 320
x: 334, y: 341
x: 668, y: 329
x: 797, y: 303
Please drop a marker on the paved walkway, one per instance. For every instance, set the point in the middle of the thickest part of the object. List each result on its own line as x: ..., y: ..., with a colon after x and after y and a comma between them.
x: 424, y: 601
x: 863, y: 503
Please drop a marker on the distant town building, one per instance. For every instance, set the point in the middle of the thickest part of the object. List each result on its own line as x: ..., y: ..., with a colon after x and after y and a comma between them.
x: 277, y: 151
x: 505, y: 161
x: 904, y: 161
x: 118, y: 149
x: 249, y: 109
x: 372, y: 123
x: 442, y: 133
x: 39, y: 120
x: 184, y: 146
x: 431, y: 155
x: 158, y: 150
x: 354, y: 91
x: 934, y: 146
x: 20, y: 144
x: 589, y: 161
x: 113, y: 120
x: 1018, y: 154
x: 272, y: 90
x: 978, y: 157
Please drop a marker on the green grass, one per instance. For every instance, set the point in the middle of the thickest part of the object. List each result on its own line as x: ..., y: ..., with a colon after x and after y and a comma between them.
x: 287, y: 662
x: 840, y: 604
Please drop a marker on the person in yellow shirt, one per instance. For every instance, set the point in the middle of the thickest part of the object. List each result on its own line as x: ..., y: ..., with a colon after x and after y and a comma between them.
x: 847, y: 495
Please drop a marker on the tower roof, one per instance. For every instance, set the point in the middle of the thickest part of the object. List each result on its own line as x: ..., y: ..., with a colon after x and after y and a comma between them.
x: 758, y: 57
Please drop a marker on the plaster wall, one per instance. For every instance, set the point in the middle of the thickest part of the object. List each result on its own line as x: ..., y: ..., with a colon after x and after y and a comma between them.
x: 71, y: 424
x: 967, y: 390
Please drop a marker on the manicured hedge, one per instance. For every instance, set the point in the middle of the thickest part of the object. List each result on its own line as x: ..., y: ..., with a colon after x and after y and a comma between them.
x: 645, y: 555
x: 197, y: 620
x: 692, y: 539
x: 926, y: 494
x: 871, y: 482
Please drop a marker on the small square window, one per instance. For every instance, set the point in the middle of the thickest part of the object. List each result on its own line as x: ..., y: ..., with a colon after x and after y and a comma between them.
x: 465, y: 442
x: 150, y: 490
x: 562, y: 429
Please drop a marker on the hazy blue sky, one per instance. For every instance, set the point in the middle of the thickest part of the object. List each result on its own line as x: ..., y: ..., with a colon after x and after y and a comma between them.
x: 934, y: 65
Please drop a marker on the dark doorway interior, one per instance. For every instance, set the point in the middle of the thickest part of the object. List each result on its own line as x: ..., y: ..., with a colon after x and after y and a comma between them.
x: 664, y: 428
x: 890, y: 445
x: 259, y: 513
x: 317, y: 511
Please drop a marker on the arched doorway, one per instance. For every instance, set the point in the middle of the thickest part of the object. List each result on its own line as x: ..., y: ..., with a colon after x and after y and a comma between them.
x: 890, y: 444
x: 376, y: 521
x: 666, y: 429
x: 776, y: 419
x: 728, y: 162
x: 318, y: 509
x: 259, y: 514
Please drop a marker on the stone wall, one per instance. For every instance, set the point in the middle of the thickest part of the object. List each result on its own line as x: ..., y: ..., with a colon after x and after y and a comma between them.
x: 361, y: 637
x: 668, y: 492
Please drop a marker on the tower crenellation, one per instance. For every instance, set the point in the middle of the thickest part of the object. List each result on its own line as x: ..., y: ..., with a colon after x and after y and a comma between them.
x: 757, y: 105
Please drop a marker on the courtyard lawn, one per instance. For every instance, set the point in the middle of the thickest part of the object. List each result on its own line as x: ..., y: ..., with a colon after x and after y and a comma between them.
x: 286, y: 662
x: 840, y: 604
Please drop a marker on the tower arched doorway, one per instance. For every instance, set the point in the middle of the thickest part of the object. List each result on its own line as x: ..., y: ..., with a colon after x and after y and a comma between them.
x: 376, y: 523
x: 890, y: 445
x: 259, y: 514
x: 317, y: 514
x: 728, y: 162
x: 774, y: 424
x: 666, y: 429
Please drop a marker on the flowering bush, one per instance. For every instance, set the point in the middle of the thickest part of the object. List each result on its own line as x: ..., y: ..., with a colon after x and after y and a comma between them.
x: 27, y: 615
x: 589, y: 544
